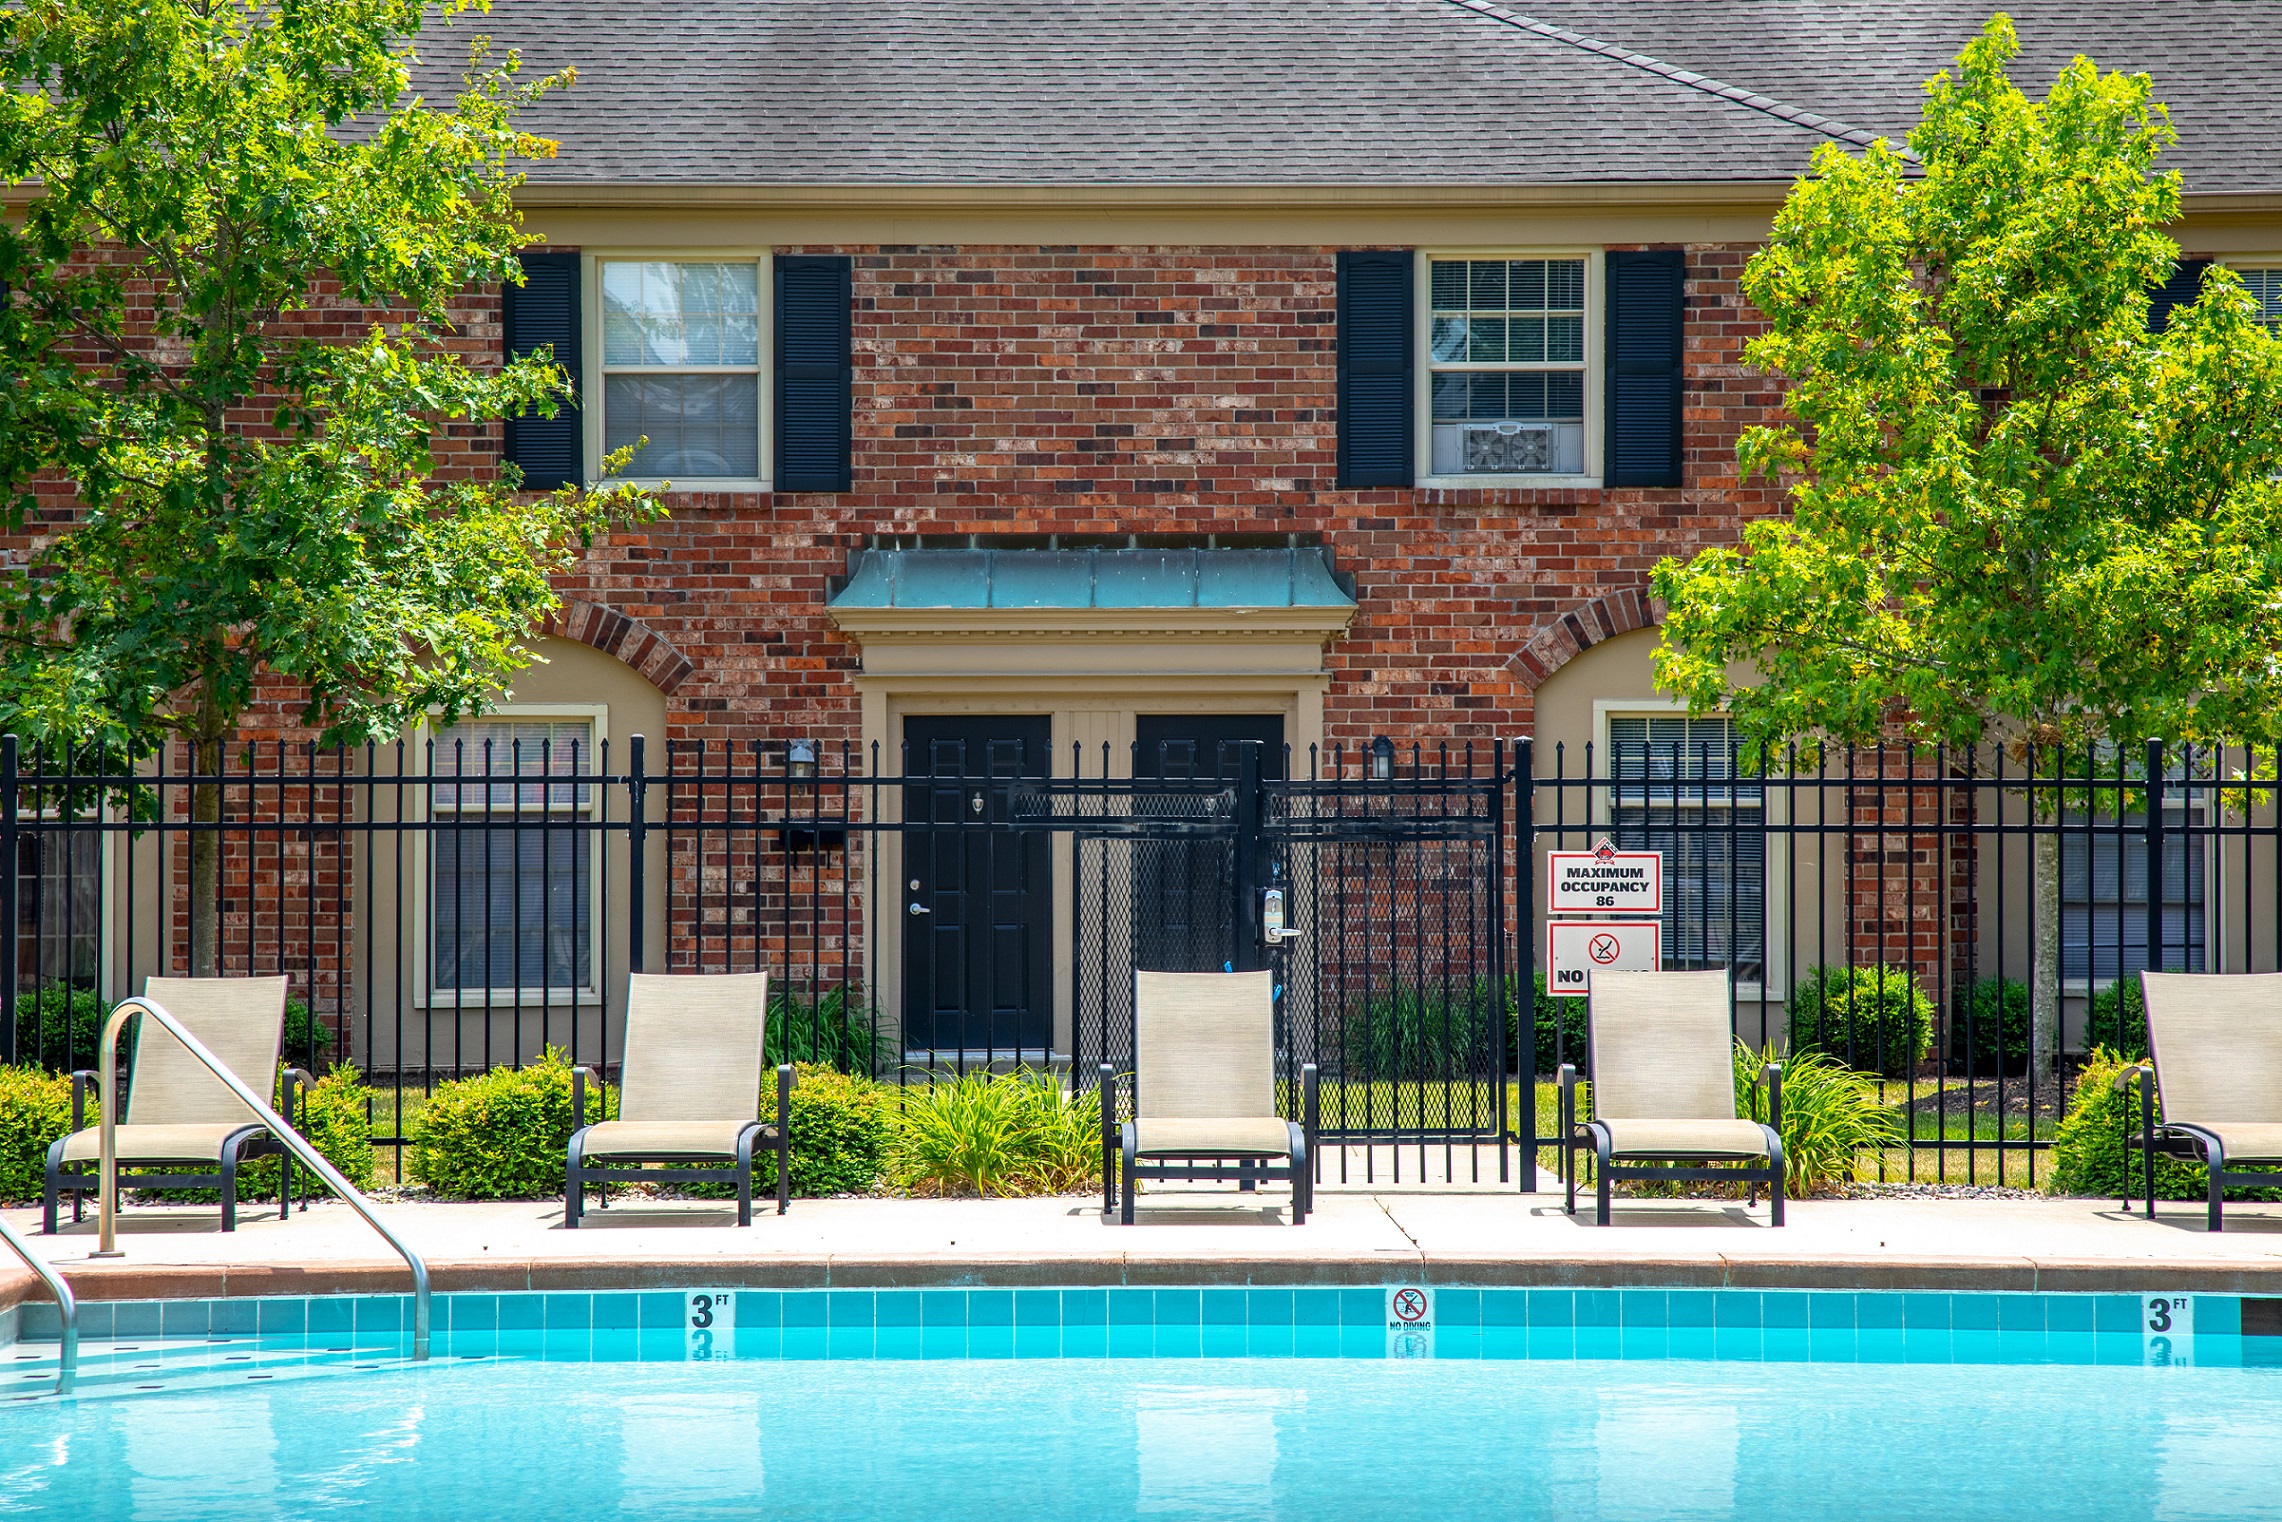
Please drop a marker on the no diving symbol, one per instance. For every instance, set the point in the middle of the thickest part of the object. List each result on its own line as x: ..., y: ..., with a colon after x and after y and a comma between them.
x: 1603, y: 949
x: 1410, y: 1305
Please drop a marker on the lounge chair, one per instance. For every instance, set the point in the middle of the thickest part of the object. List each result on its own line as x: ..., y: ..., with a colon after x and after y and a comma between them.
x: 1664, y: 1089
x: 689, y: 1092
x: 1204, y: 1099
x: 178, y: 1114
x: 2216, y: 1044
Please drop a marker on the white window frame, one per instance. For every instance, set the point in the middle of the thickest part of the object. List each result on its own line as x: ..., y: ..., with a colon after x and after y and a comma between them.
x: 1774, y: 953
x: 1422, y: 324
x: 106, y: 884
x: 2194, y: 815
x: 595, y: 391
x: 2261, y: 261
x: 425, y: 993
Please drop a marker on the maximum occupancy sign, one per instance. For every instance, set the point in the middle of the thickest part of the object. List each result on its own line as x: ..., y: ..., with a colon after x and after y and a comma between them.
x: 1605, y: 880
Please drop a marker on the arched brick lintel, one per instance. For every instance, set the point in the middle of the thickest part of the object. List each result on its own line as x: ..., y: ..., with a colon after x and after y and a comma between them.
x: 1570, y: 635
x: 630, y: 640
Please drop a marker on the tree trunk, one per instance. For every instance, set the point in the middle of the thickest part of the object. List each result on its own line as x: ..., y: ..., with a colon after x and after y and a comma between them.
x: 206, y: 858
x: 2044, y: 975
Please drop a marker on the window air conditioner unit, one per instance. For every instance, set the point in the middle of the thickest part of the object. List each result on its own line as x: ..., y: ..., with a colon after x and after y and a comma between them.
x: 1508, y: 448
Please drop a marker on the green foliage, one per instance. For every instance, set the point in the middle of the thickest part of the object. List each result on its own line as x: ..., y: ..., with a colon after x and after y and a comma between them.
x: 1831, y: 1115
x: 2097, y: 1151
x: 1560, y: 1031
x: 2014, y: 511
x: 334, y: 1116
x: 35, y: 1109
x: 833, y: 1027
x: 1406, y: 1030
x: 1875, y: 1019
x: 1989, y: 1031
x: 501, y: 1135
x: 842, y: 1127
x: 61, y: 1027
x: 257, y: 498
x: 2117, y: 1019
x: 308, y: 1039
x: 1005, y: 1134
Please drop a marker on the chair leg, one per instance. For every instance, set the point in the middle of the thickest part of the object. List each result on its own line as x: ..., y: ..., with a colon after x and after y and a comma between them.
x: 48, y: 1191
x: 1569, y: 1156
x: 284, y: 1185
x: 230, y: 1190
x: 1125, y: 1205
x: 1300, y: 1200
x: 1776, y: 1166
x: 745, y: 1177
x: 784, y: 1169
x: 1601, y: 1181
x: 574, y: 1186
x: 2214, y: 1168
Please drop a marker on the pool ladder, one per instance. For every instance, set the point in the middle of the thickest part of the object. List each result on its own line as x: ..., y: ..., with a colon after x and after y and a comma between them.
x: 67, y: 1366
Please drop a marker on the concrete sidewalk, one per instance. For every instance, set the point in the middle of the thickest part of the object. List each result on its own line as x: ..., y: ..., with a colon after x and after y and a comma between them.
x: 1198, y: 1234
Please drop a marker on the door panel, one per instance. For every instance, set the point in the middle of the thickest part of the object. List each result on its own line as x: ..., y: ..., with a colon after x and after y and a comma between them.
x: 1181, y: 888
x: 977, y: 961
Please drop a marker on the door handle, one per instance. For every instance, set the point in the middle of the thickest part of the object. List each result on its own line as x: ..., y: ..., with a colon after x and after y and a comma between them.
x: 921, y: 909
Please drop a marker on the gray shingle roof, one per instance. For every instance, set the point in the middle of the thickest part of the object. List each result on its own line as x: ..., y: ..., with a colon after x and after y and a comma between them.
x: 1359, y: 92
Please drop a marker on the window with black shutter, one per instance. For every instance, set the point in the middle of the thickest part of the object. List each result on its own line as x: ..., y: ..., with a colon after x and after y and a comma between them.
x: 815, y: 377
x: 1645, y: 315
x: 543, y: 312
x: 1376, y: 394
x: 2181, y: 290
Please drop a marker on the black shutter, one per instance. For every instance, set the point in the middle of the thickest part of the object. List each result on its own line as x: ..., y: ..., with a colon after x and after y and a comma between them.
x: 2181, y: 290
x: 1378, y: 403
x: 1645, y: 316
x: 815, y: 376
x: 543, y: 311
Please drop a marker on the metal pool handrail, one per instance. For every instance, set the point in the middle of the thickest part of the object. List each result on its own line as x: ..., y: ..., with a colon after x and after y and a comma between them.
x: 67, y: 1365
x: 108, y: 1066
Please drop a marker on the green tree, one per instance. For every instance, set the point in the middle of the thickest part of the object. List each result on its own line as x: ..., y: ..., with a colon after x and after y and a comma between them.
x: 248, y: 495
x: 2016, y: 514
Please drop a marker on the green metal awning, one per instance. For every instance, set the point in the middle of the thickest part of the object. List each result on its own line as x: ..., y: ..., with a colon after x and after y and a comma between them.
x: 1092, y: 578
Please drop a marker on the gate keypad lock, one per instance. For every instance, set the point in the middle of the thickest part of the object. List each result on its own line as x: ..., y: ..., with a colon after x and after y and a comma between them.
x: 1273, y: 929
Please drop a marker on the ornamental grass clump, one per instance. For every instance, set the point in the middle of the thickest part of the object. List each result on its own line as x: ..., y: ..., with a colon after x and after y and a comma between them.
x: 1004, y: 1134
x: 1831, y: 1115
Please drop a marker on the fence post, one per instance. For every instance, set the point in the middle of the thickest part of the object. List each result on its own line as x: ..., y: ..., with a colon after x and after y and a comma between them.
x: 1248, y: 954
x: 2153, y: 825
x: 10, y: 880
x: 636, y: 907
x: 1525, y: 947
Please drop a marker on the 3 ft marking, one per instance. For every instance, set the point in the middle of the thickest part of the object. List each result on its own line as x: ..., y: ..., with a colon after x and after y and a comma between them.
x: 2167, y: 1325
x: 709, y: 1318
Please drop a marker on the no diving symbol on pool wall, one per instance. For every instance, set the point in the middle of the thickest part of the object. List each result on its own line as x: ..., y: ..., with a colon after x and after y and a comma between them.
x: 1410, y: 1322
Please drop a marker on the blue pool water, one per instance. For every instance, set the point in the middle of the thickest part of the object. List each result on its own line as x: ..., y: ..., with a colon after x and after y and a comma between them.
x: 1601, y: 1415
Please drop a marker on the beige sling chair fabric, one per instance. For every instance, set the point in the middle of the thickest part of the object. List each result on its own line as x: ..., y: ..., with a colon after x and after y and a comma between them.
x: 177, y: 1111
x: 2216, y: 1040
x: 1664, y: 1066
x: 691, y: 1081
x: 1204, y: 1064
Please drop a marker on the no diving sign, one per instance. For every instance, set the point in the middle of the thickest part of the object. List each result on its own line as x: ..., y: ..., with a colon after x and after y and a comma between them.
x: 1605, y: 880
x: 1574, y: 948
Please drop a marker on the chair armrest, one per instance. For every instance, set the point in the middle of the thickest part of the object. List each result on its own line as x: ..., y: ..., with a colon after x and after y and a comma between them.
x: 579, y: 1078
x: 2139, y: 1070
x: 82, y: 1079
x: 1310, y: 1102
x: 1568, y: 1122
x: 786, y: 1078
x: 298, y: 1083
x: 1771, y: 1078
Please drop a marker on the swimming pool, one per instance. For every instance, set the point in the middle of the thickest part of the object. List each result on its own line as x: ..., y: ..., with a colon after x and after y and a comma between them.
x: 1165, y: 1404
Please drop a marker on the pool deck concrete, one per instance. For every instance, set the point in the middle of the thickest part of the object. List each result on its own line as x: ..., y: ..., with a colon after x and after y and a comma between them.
x: 1450, y: 1233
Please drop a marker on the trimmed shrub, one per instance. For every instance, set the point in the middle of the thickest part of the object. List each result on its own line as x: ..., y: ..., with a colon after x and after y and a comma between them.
x: 35, y: 1109
x: 1005, y: 1134
x: 2117, y: 1019
x: 335, y: 1117
x: 501, y: 1135
x: 842, y: 1127
x: 1875, y: 1019
x: 2097, y: 1149
x: 1998, y: 1011
x: 1831, y: 1115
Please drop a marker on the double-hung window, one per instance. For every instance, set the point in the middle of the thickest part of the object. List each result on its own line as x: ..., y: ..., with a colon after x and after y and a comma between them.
x: 2265, y: 287
x: 511, y: 865
x: 59, y: 901
x: 2103, y: 896
x: 1674, y: 787
x: 1506, y: 366
x: 681, y: 367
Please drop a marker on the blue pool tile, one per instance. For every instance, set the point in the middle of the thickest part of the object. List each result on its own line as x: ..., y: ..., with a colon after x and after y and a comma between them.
x: 1457, y: 1308
x: 1317, y: 1341
x: 1597, y: 1307
x: 42, y: 1321
x: 2068, y: 1313
x: 1688, y: 1308
x: 1316, y: 1307
x: 517, y: 1313
x: 1552, y: 1307
x: 848, y: 1309
x: 663, y: 1309
x: 1085, y: 1307
x: 851, y: 1341
x: 1505, y: 1307
x: 760, y: 1308
x: 1741, y: 1343
x: 898, y: 1308
x: 2116, y: 1313
x: 381, y: 1313
x: 1641, y: 1342
x: 990, y: 1340
x: 1785, y: 1309
x: 1973, y: 1313
x: 1219, y: 1339
x: 1832, y: 1345
x: 2020, y: 1313
x: 1828, y: 1312
x: 808, y: 1310
x: 1177, y: 1307
x: 1505, y: 1343
x: 619, y: 1311
x: 1782, y: 1344
x: 1042, y: 1341
x: 1272, y: 1307
x: 1361, y: 1307
x: 1362, y: 1342
x: 1599, y: 1341
x: 2218, y: 1316
x: 1881, y: 1345
x: 1644, y: 1307
x: 474, y: 1315
x: 1085, y: 1340
x: 1691, y: 1342
x: 1880, y: 1312
x: 806, y: 1341
x: 1131, y: 1307
x: 327, y: 1313
x: 568, y: 1313
x: 1976, y: 1347
x: 232, y: 1318
x: 898, y: 1342
x: 185, y: 1318
x: 290, y: 1314
x: 1038, y: 1308
x: 1129, y: 1339
x: 1226, y: 1308
x: 1925, y: 1345
x: 1272, y: 1341
x: 1737, y: 1308
x: 758, y: 1343
x: 662, y: 1345
x: 990, y: 1308
x: 943, y: 1341
x: 1925, y: 1313
x: 1180, y: 1340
